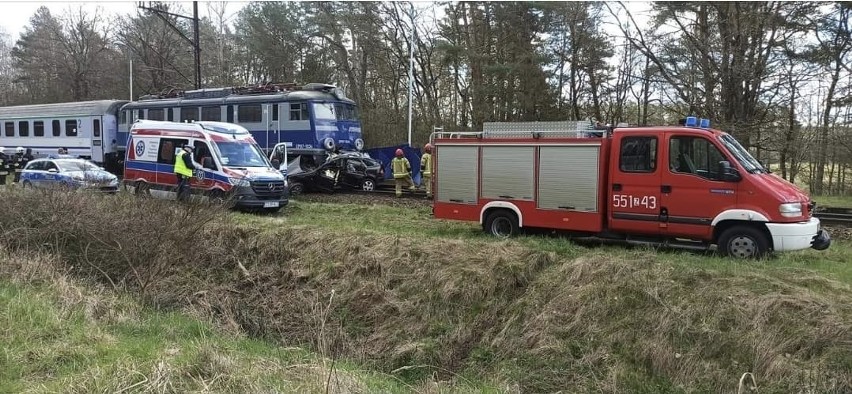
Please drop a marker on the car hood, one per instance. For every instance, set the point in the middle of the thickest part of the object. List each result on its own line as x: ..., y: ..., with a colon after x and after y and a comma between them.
x: 266, y: 173
x: 782, y: 189
x: 91, y: 175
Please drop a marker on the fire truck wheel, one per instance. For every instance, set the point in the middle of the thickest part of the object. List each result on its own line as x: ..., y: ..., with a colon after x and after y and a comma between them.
x: 743, y: 242
x: 501, y: 223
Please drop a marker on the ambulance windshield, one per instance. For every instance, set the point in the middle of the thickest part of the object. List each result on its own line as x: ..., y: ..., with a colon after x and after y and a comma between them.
x: 240, y: 154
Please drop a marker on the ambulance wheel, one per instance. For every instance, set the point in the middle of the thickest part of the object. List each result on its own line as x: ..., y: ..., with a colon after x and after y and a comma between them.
x: 743, y: 242
x: 142, y: 189
x: 501, y: 224
x: 216, y: 197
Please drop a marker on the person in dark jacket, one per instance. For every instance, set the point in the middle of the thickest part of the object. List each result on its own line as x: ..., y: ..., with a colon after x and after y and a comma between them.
x: 4, y: 166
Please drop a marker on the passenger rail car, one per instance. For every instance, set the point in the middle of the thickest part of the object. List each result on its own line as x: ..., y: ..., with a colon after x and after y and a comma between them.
x: 310, y: 119
x: 86, y: 128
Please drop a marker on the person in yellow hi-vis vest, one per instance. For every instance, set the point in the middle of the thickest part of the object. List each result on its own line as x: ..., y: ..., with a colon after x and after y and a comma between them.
x: 401, y: 172
x: 184, y: 164
x: 426, y: 170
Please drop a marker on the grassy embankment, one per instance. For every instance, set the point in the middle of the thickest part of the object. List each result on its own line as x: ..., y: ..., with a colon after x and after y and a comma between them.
x: 424, y: 300
x: 61, y: 336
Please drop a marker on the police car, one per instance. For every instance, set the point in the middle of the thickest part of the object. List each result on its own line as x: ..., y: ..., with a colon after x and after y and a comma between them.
x: 66, y: 172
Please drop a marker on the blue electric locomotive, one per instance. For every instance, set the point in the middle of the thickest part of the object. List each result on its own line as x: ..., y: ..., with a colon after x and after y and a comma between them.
x: 313, y: 119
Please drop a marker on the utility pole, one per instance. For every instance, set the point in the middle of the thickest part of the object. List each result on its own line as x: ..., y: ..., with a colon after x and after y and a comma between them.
x: 161, y: 11
x: 410, y: 70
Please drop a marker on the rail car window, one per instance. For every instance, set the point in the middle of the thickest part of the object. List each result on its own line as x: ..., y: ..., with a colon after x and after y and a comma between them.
x: 70, y: 128
x: 10, y: 129
x: 122, y: 117
x: 188, y: 114
x: 38, y: 128
x: 249, y: 113
x: 638, y: 154
x: 694, y: 155
x: 274, y: 112
x: 299, y: 111
x: 56, y: 128
x: 96, y: 127
x: 168, y: 148
x: 140, y: 114
x: 155, y: 114
x: 211, y: 113
x: 24, y: 128
x: 170, y: 115
x: 229, y: 113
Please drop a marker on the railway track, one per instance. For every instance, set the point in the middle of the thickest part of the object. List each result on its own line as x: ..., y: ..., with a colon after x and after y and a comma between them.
x: 834, y: 218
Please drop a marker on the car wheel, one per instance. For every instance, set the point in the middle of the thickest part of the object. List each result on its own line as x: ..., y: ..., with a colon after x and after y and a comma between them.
x: 501, y: 224
x: 368, y: 185
x: 743, y: 242
x: 296, y: 189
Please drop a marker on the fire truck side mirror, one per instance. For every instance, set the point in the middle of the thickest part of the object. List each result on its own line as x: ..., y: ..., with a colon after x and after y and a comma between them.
x: 728, y: 173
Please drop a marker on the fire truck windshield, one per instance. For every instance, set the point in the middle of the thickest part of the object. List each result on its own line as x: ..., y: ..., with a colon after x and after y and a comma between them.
x: 742, y: 155
x: 240, y: 154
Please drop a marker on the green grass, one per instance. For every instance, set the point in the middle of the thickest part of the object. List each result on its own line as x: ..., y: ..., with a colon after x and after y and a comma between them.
x: 53, y: 343
x: 360, y: 218
x: 834, y: 201
x: 403, y: 221
x: 436, y: 305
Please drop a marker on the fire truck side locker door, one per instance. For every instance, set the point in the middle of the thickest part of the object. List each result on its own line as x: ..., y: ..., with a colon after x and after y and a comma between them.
x: 634, y: 184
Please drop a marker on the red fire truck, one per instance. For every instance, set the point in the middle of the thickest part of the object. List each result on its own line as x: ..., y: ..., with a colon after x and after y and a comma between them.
x: 684, y: 186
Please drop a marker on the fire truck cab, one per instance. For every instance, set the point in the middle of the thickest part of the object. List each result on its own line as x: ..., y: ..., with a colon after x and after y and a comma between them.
x: 684, y: 186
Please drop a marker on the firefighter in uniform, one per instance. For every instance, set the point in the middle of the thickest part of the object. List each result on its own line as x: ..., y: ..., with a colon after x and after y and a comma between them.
x: 426, y: 170
x: 183, y: 169
x: 18, y: 163
x: 401, y: 172
x: 4, y: 166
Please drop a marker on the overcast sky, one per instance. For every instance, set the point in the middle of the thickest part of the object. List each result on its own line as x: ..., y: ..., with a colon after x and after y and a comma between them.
x: 15, y: 14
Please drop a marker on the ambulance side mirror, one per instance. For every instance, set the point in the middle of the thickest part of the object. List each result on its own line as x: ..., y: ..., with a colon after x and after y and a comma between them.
x: 728, y: 173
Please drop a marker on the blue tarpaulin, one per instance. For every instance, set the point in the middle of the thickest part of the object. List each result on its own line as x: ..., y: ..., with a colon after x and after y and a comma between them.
x: 386, y: 153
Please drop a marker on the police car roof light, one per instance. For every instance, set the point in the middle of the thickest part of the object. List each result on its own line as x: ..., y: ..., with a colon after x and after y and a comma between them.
x: 705, y: 123
x: 691, y: 121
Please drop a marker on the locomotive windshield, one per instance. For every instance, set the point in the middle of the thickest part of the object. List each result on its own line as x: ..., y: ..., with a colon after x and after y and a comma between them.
x: 335, y: 111
x: 241, y: 154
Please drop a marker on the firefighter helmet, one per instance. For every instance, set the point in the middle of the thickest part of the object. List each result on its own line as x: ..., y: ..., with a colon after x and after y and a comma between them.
x: 2, y: 149
x: 428, y: 147
x: 19, y: 149
x: 398, y: 152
